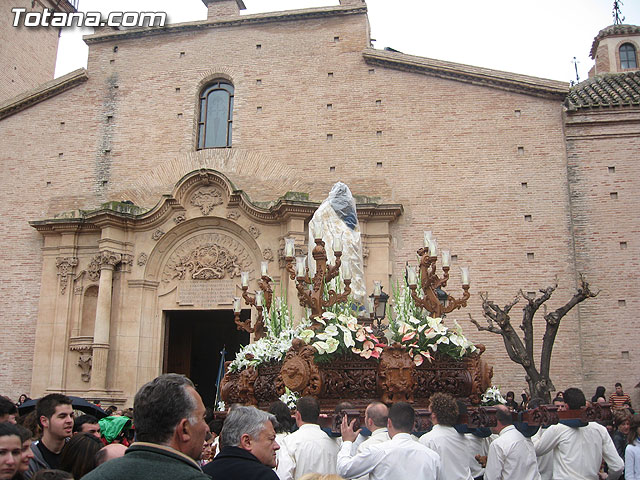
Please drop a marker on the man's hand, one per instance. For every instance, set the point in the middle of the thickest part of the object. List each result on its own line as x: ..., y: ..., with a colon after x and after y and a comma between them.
x: 348, y: 434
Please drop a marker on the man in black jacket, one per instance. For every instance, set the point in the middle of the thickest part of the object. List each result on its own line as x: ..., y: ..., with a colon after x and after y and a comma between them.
x: 249, y: 447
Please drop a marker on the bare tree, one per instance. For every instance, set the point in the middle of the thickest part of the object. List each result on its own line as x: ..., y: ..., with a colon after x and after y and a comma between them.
x: 520, y: 350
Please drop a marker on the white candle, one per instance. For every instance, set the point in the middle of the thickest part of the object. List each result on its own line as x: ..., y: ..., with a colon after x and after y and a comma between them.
x: 446, y: 258
x: 316, y: 228
x: 237, y: 306
x: 346, y: 271
x: 433, y: 248
x: 289, y: 247
x: 300, y: 266
x: 371, y: 304
x: 464, y: 272
x: 412, y: 278
x: 264, y: 266
x: 427, y: 238
x: 244, y: 278
x: 337, y: 244
x: 258, y: 298
x: 377, y: 288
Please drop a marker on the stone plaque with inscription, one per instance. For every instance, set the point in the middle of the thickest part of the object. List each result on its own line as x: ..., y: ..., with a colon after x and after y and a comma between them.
x: 206, y: 294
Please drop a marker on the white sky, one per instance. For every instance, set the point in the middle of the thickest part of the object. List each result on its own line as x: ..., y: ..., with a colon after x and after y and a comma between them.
x: 538, y: 38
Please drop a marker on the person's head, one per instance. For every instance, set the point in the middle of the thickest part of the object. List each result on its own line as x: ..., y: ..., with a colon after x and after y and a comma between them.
x: 50, y: 474
x: 307, y: 410
x: 252, y: 430
x: 600, y: 392
x: 10, y: 450
x: 111, y: 410
x: 8, y: 411
x: 283, y: 415
x: 169, y: 411
x: 503, y: 418
x: 78, y: 454
x: 574, y: 398
x: 621, y: 420
x: 86, y: 424
x: 634, y: 430
x: 23, y: 398
x: 559, y: 402
x: 215, y: 426
x: 55, y: 415
x: 26, y: 436
x: 401, y: 418
x: 444, y: 409
x: 109, y: 452
x: 510, y: 396
x: 376, y: 416
x: 619, y: 389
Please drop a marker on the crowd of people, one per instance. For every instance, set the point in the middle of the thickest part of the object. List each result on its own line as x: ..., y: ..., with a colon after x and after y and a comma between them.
x: 173, y: 436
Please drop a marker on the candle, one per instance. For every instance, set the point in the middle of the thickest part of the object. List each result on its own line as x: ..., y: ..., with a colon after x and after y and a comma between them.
x: 412, y: 278
x: 289, y: 247
x: 337, y: 244
x: 464, y: 272
x: 371, y: 305
x: 433, y: 248
x: 346, y: 271
x: 263, y: 268
x: 300, y: 266
x: 316, y: 228
x: 236, y: 304
x: 258, y: 298
x: 377, y: 288
x: 427, y: 238
x: 446, y: 258
x: 244, y: 277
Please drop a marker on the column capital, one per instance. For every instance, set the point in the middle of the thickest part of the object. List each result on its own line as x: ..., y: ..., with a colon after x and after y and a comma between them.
x: 108, y: 259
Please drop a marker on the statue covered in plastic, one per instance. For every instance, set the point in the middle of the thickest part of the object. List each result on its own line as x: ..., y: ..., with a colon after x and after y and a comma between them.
x: 335, y: 218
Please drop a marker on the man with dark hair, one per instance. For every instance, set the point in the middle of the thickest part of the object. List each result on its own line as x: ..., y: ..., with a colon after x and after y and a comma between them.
x: 618, y: 399
x: 401, y: 458
x: 511, y: 455
x: 446, y: 441
x: 86, y: 424
x: 55, y: 415
x: 250, y: 447
x: 170, y: 432
x: 309, y: 449
x: 579, y: 448
x: 8, y: 410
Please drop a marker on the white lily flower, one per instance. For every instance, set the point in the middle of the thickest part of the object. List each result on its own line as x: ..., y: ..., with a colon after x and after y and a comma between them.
x: 332, y: 345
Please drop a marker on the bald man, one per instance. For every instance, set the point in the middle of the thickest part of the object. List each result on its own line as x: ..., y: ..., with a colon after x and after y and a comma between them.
x: 109, y: 452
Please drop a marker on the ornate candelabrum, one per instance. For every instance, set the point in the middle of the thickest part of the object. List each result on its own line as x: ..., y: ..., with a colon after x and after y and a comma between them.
x: 434, y: 299
x: 261, y: 300
x: 310, y: 290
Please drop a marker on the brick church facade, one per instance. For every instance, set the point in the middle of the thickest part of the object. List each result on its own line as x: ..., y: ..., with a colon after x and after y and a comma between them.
x: 226, y: 133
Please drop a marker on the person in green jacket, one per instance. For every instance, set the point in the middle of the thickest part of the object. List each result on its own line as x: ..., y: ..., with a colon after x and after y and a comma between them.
x: 170, y: 432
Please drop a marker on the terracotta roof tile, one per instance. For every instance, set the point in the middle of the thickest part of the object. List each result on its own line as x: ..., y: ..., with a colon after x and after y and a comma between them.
x: 611, y: 90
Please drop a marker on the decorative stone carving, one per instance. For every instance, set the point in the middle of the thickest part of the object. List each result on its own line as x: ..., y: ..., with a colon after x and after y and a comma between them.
x: 267, y: 254
x: 104, y: 258
x: 206, y: 198
x: 65, y: 267
x: 142, y: 259
x: 253, y: 230
x: 77, y: 290
x: 157, y: 235
x: 396, y: 375
x: 126, y: 263
x: 233, y: 215
x: 299, y: 372
x: 206, y: 257
x: 84, y: 362
x: 365, y: 255
x: 180, y: 218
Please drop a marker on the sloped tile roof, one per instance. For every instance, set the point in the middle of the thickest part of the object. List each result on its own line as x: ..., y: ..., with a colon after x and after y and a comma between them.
x: 611, y: 90
x: 610, y: 31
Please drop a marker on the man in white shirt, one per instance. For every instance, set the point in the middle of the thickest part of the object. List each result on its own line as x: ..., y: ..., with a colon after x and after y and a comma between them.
x: 309, y: 449
x: 511, y: 455
x: 578, y: 451
x: 375, y: 419
x: 401, y: 458
x: 453, y: 447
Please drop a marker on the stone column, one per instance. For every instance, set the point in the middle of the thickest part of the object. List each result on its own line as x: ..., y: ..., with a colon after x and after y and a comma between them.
x: 108, y: 261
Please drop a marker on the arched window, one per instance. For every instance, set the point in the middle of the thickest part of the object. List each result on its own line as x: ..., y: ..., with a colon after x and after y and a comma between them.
x: 628, y: 56
x: 216, y: 115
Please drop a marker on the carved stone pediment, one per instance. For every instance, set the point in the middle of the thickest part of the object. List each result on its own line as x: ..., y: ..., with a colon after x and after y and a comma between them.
x: 207, y: 257
x: 206, y: 198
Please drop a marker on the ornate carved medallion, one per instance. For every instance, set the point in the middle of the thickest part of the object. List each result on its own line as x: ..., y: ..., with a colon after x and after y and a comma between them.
x: 299, y: 372
x: 206, y: 198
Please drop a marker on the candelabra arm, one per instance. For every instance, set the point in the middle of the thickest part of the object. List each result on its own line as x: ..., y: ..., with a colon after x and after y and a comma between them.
x: 290, y: 267
x: 265, y: 285
x: 258, y: 328
x: 455, y: 304
x: 243, y: 324
x: 335, y: 297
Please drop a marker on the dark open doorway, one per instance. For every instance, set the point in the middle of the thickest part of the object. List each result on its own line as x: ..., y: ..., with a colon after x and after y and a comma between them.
x: 193, y: 341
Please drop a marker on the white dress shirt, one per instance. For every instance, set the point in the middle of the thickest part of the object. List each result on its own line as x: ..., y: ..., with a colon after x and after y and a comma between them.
x: 477, y: 446
x: 511, y: 456
x: 632, y: 461
x: 401, y: 458
x: 309, y: 450
x: 545, y: 462
x: 454, y: 451
x: 377, y: 436
x: 578, y: 451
